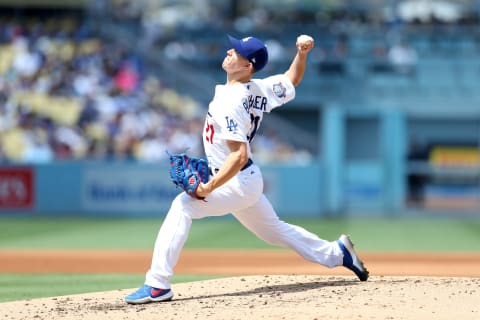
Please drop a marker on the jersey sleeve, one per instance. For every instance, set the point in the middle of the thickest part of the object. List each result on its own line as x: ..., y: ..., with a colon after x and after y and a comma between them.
x: 278, y: 89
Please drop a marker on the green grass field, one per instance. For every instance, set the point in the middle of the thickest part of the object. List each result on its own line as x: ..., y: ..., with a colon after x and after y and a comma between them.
x: 370, y: 234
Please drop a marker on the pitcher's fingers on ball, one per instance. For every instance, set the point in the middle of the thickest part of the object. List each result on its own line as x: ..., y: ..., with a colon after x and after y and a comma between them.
x: 305, y: 42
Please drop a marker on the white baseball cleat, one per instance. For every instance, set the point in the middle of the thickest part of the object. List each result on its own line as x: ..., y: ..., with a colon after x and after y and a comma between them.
x: 350, y: 258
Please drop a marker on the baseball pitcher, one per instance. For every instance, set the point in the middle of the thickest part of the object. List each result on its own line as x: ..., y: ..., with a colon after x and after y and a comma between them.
x: 234, y: 182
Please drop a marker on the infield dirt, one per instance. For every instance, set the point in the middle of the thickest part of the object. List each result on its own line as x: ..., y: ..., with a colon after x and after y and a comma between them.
x: 268, y: 285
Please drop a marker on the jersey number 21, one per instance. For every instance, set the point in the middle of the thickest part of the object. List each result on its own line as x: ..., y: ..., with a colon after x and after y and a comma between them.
x: 255, y: 121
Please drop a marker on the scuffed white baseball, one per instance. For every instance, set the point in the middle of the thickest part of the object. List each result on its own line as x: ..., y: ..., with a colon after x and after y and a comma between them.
x: 304, y: 38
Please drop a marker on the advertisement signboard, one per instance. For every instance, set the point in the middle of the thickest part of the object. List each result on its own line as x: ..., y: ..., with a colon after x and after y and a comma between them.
x: 132, y: 189
x: 16, y: 188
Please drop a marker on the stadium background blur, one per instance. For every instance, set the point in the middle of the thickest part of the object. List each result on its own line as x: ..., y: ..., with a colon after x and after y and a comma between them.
x: 386, y: 121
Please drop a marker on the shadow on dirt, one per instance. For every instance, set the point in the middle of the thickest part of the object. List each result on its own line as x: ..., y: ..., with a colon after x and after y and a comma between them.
x: 273, y: 289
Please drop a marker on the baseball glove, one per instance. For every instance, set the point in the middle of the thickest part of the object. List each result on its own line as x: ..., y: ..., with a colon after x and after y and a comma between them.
x: 187, y: 172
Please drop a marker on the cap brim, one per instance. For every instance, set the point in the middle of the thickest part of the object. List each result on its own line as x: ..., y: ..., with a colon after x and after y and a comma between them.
x: 237, y: 45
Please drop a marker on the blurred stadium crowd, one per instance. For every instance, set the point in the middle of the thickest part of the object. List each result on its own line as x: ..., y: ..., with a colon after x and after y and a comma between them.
x: 67, y: 93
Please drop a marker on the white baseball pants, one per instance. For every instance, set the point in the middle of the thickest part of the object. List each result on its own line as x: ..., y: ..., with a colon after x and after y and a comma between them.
x: 243, y: 197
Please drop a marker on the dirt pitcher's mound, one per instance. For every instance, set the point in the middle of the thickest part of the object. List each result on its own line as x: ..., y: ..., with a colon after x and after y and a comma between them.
x: 274, y: 297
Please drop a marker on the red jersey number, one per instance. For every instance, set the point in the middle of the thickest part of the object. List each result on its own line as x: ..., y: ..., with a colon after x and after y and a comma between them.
x: 209, y: 130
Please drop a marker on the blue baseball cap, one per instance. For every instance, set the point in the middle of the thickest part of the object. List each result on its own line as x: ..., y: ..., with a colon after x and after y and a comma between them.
x: 251, y: 49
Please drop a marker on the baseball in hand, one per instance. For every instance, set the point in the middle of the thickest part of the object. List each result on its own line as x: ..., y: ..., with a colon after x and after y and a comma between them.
x: 304, y: 42
x: 304, y: 38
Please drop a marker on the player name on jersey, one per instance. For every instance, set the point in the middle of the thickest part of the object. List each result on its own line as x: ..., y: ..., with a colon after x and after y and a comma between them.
x: 256, y: 102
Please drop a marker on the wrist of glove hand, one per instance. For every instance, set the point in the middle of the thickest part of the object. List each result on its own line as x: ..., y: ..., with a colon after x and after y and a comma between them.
x: 203, y: 190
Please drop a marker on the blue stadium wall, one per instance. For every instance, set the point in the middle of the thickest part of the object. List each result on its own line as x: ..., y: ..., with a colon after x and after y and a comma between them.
x: 134, y: 190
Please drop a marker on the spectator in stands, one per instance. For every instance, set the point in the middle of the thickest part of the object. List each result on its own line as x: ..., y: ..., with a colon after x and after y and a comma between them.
x: 403, y: 58
x: 37, y: 149
x: 127, y: 78
x: 27, y: 61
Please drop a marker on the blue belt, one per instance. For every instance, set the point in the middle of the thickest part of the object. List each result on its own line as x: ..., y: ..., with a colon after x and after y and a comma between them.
x: 248, y: 164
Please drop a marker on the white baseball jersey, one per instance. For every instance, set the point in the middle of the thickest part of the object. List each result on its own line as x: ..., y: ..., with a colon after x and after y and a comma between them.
x: 236, y: 111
